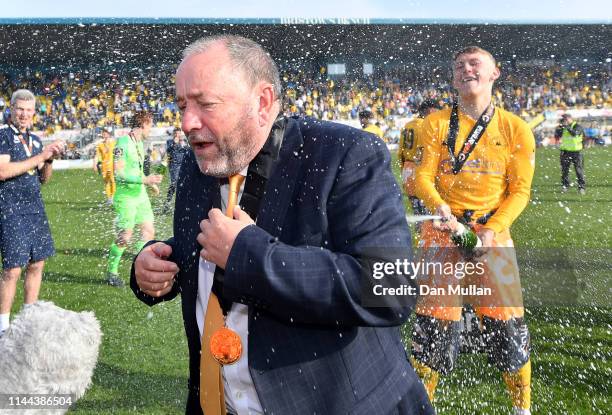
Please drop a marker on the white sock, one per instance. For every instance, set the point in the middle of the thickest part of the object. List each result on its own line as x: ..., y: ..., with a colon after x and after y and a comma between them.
x: 4, y: 321
x: 521, y: 411
x: 26, y: 306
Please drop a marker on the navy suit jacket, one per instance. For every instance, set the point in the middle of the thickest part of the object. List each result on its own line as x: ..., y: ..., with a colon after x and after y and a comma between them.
x: 313, y: 346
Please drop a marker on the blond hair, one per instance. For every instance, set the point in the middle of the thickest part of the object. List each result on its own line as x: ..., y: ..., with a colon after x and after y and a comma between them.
x: 474, y: 49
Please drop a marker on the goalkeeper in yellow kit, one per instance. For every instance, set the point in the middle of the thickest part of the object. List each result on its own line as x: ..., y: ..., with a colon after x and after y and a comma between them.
x: 477, y: 167
x: 407, y: 153
x: 103, y: 163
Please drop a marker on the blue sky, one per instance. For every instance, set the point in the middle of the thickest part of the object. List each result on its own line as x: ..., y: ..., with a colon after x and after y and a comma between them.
x: 475, y: 10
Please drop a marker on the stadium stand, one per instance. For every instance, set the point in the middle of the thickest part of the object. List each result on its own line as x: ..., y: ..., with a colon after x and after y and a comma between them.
x: 109, y: 70
x: 88, y: 99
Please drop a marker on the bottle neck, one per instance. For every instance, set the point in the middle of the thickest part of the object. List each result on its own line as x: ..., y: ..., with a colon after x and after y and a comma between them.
x: 460, y: 229
x: 465, y: 238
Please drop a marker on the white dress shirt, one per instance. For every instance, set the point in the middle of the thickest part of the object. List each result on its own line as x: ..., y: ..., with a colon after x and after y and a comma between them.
x: 240, y: 394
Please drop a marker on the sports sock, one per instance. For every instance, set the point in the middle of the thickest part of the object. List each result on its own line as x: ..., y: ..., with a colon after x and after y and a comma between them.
x: 519, y: 386
x: 4, y: 321
x: 114, y: 256
x: 428, y: 376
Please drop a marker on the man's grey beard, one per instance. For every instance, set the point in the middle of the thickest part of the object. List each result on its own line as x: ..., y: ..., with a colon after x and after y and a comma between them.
x: 20, y: 126
x: 230, y: 160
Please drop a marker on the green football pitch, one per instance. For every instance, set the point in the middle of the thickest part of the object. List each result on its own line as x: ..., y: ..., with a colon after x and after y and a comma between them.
x: 143, y: 359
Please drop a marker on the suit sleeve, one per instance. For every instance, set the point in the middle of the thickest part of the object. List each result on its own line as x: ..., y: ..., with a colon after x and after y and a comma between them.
x: 145, y: 298
x: 520, y: 173
x: 316, y: 285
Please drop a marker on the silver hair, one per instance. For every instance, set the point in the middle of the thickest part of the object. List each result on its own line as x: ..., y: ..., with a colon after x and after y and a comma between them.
x: 248, y: 56
x: 22, y: 95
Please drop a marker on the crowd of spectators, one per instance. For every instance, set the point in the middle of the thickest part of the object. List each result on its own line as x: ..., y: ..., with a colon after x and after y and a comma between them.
x: 88, y: 99
x: 399, y: 93
x: 93, y: 98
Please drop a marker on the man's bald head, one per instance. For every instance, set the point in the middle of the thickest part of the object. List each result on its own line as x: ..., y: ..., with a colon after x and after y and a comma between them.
x: 248, y: 57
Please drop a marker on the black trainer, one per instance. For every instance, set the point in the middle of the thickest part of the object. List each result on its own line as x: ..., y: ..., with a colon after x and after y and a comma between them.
x: 114, y: 280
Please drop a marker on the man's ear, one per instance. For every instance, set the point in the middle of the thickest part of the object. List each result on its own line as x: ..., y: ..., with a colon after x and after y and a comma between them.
x: 267, y: 98
x: 496, y: 74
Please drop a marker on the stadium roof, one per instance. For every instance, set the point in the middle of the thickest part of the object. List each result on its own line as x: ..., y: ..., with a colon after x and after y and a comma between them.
x: 295, y: 20
x: 321, y: 11
x: 138, y: 43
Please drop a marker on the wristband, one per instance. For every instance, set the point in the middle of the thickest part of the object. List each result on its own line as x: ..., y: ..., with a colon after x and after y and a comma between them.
x: 50, y: 161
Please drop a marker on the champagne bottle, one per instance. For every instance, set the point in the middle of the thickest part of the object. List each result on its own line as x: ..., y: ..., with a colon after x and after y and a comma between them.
x: 465, y: 238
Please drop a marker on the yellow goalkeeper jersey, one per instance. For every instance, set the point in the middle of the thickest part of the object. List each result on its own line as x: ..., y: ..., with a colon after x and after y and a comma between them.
x: 409, y: 139
x: 104, y: 154
x: 374, y: 129
x: 496, y: 176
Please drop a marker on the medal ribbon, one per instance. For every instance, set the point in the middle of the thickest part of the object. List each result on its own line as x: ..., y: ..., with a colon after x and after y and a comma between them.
x: 27, y: 147
x: 473, y: 137
x: 140, y: 155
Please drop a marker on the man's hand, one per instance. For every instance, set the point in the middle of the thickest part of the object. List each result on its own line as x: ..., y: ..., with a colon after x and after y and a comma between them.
x: 155, y: 189
x: 155, y: 275
x: 53, y: 150
x: 486, y: 236
x: 218, y: 234
x: 152, y: 179
x: 448, y: 222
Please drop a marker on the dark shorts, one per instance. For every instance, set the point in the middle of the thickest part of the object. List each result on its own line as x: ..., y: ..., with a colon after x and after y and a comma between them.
x: 436, y: 343
x: 24, y: 239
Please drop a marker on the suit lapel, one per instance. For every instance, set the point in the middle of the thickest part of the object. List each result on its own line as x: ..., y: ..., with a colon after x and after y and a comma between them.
x: 201, y: 194
x: 280, y: 187
x: 206, y: 193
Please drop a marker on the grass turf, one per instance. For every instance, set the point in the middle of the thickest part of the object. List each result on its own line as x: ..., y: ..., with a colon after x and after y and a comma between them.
x: 143, y: 359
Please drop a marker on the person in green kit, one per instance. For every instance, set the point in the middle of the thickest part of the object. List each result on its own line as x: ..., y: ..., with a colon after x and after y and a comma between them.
x: 131, y: 202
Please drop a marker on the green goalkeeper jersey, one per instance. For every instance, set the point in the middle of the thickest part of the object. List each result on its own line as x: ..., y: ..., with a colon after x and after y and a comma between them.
x: 129, y: 161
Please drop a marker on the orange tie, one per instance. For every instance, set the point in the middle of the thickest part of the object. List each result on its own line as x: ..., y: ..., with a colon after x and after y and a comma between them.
x: 235, y: 182
x: 212, y: 398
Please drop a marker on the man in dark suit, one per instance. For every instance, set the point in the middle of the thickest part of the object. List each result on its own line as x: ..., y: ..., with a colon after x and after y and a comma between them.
x: 290, y: 266
x: 176, y: 148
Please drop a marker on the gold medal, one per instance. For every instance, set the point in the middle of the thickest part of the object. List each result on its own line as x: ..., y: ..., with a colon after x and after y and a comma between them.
x: 225, y: 346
